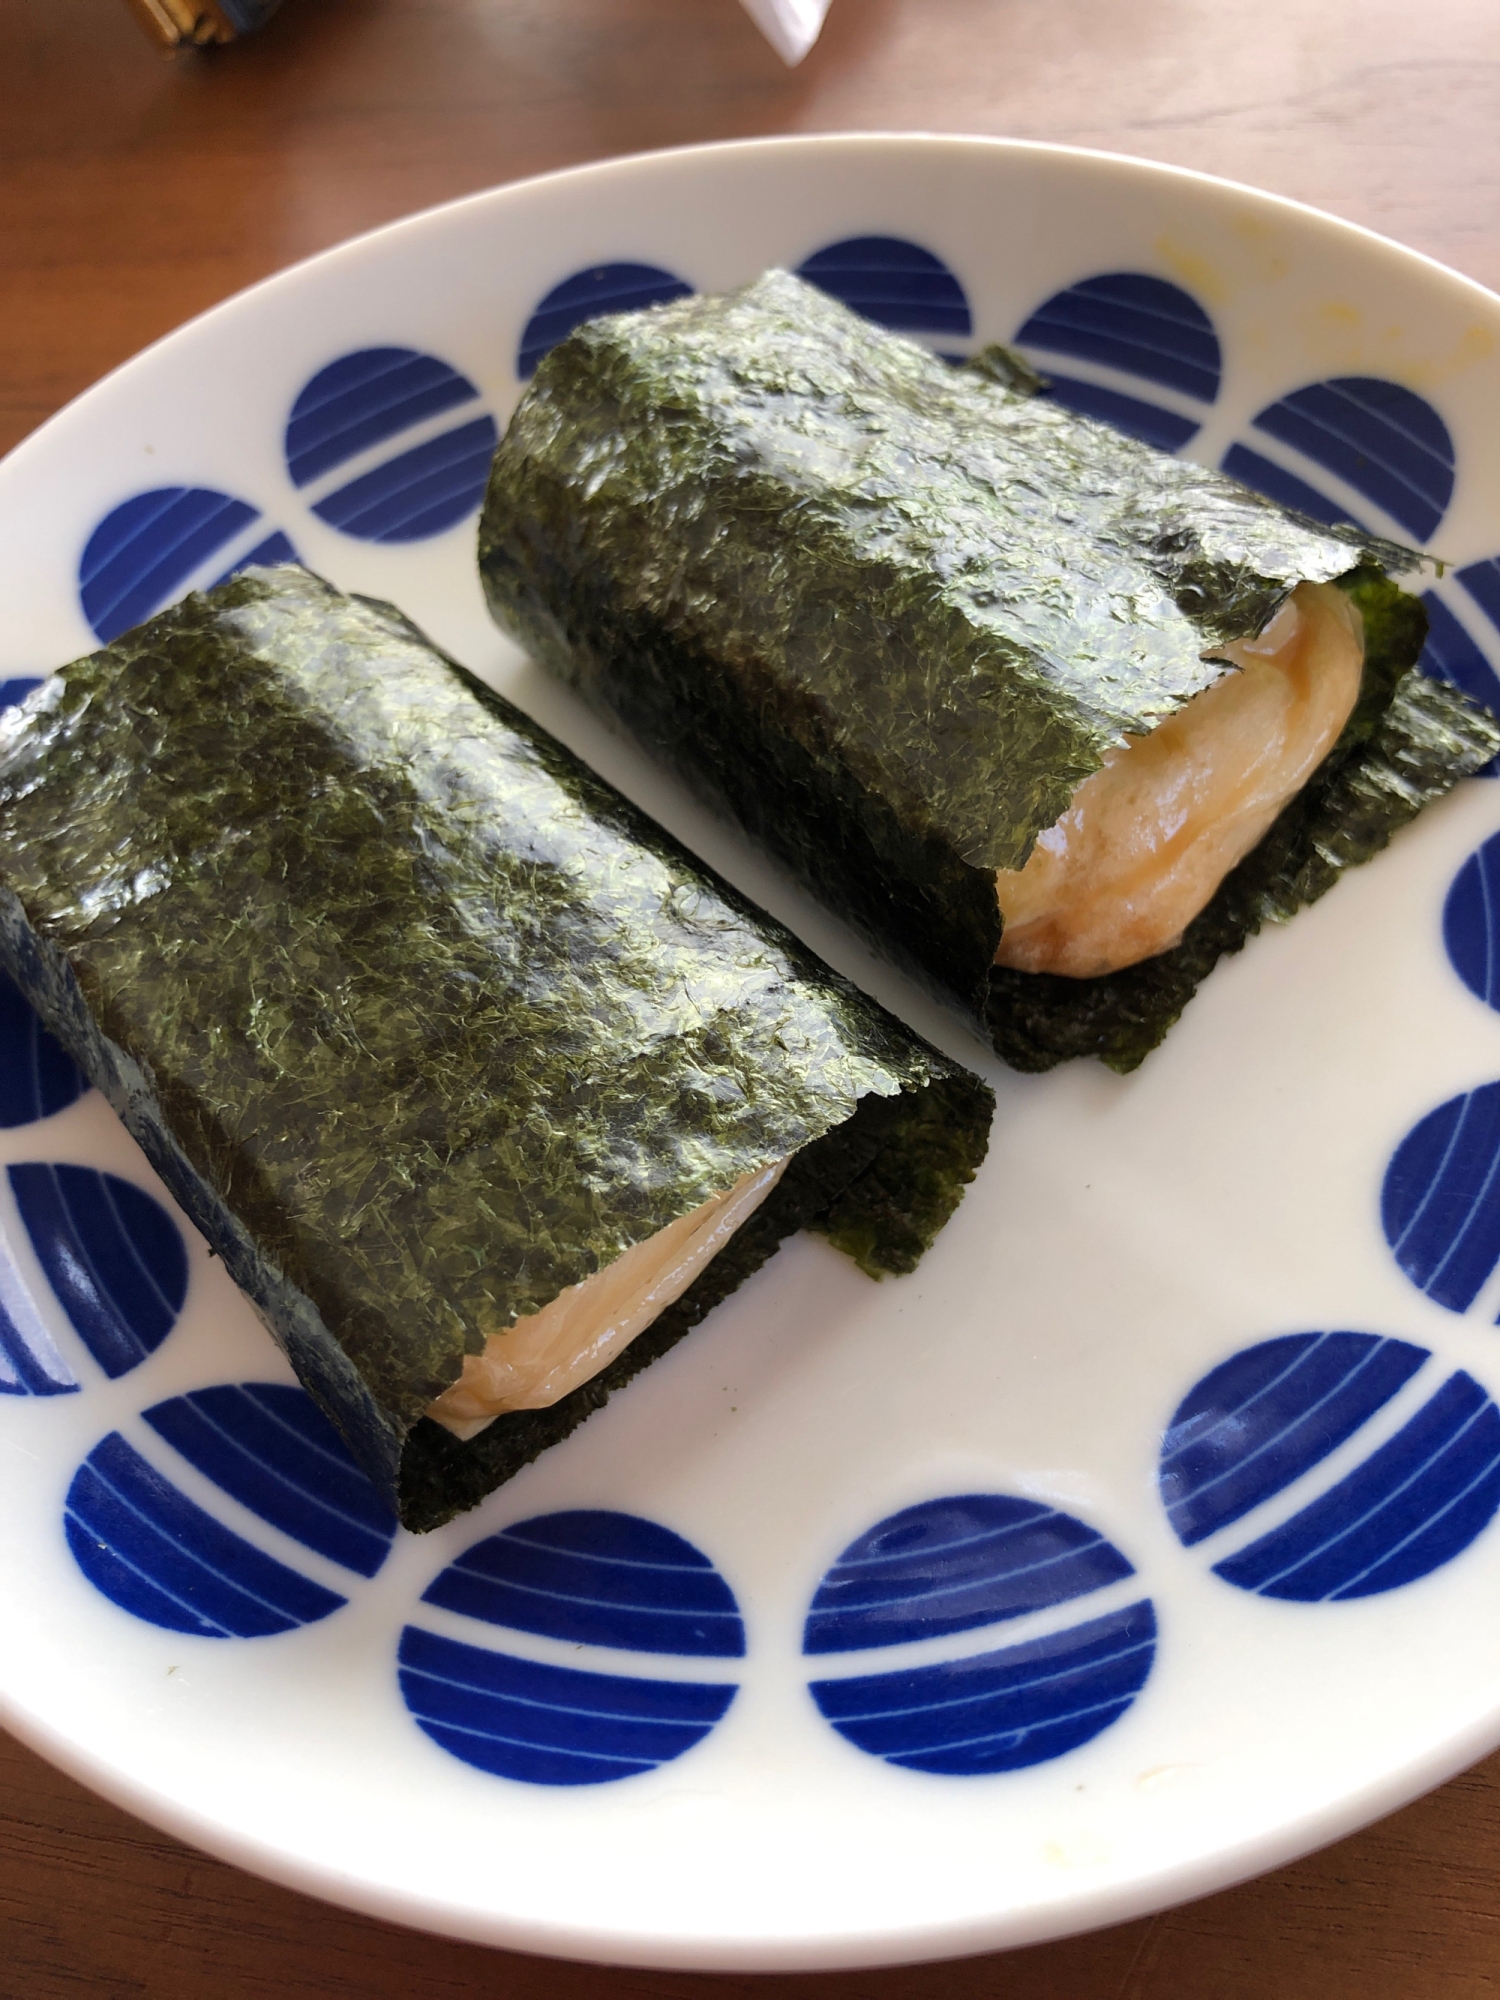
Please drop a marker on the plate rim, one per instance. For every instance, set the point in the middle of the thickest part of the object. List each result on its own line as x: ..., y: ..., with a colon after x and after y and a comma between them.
x: 910, y: 1942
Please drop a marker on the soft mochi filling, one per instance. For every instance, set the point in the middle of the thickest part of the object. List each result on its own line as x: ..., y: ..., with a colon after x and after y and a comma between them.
x: 1149, y: 837
x: 539, y: 1359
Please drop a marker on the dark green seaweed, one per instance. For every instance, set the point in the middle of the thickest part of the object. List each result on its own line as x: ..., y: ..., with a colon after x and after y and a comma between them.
x: 892, y: 613
x: 418, y: 1019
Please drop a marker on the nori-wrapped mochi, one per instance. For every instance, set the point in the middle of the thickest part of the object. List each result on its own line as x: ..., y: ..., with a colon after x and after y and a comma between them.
x: 418, y: 1019
x: 892, y: 613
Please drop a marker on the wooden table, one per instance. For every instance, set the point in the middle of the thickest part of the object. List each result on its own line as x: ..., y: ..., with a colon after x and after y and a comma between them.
x: 137, y: 190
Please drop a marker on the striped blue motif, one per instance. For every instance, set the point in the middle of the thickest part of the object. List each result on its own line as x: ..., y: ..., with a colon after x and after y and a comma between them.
x: 546, y: 1725
x: 111, y: 1253
x: 37, y: 1076
x: 376, y: 396
x: 1440, y: 1202
x: 30, y: 1364
x: 276, y: 548
x: 1141, y: 325
x: 1471, y: 922
x: 14, y: 691
x: 362, y: 399
x: 963, y: 1563
x: 144, y: 551
x: 1379, y: 438
x: 585, y: 295
x: 587, y: 1577
x: 1415, y: 1503
x: 37, y: 1079
x: 1274, y: 1412
x: 161, y: 1557
x: 1269, y: 1414
x: 955, y: 1564
x: 998, y: 1711
x: 894, y: 282
x: 269, y: 1447
x: 1481, y: 580
x: 600, y: 1579
x: 1168, y: 430
x: 419, y: 493
x: 1452, y: 655
x: 1266, y: 476
x: 1143, y: 330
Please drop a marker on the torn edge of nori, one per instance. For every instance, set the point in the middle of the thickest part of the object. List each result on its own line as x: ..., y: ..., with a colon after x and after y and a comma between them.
x: 879, y: 1186
x: 1427, y: 736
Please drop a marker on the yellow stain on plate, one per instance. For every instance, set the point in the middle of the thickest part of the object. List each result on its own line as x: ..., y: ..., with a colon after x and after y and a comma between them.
x: 1251, y: 254
x: 1474, y: 346
x: 1195, y: 269
x: 1341, y: 338
x: 1337, y: 335
x: 1263, y: 244
x: 1258, y: 257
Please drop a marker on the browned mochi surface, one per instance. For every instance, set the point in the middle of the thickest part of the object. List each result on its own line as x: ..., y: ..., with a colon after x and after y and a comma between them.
x: 1148, y: 838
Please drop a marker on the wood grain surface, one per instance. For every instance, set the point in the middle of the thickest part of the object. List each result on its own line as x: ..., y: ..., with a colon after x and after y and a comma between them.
x: 136, y: 190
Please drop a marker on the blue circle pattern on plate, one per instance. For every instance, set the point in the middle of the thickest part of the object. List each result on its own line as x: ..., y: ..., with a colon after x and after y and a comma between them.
x: 1471, y: 923
x: 1129, y: 329
x: 1463, y: 613
x: 37, y: 1075
x: 1438, y: 1203
x: 585, y: 295
x: 1382, y: 442
x: 362, y: 402
x: 585, y: 1577
x: 961, y: 1564
x: 896, y: 283
x: 1254, y: 1426
x: 152, y: 547
x: 1268, y: 1417
x: 267, y: 1450
x: 115, y: 1261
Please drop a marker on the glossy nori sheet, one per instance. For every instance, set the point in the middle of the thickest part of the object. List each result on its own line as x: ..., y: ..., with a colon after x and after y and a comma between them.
x: 890, y: 612
x: 419, y: 1020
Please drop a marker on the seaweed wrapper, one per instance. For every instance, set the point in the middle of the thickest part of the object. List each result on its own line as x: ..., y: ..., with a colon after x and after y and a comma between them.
x: 893, y: 613
x: 419, y: 1020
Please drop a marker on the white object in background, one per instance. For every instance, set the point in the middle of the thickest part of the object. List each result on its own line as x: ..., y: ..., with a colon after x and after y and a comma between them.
x: 790, y: 26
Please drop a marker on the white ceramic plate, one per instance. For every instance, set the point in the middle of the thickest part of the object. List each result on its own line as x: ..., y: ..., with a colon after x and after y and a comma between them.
x: 1069, y: 1688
